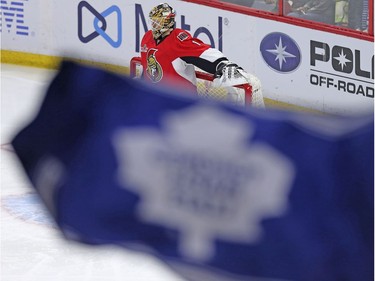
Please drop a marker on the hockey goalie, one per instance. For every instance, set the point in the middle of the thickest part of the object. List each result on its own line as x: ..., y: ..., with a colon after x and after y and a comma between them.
x: 171, y: 56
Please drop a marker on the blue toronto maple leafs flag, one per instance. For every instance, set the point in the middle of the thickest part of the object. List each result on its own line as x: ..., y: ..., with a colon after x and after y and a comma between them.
x: 217, y: 192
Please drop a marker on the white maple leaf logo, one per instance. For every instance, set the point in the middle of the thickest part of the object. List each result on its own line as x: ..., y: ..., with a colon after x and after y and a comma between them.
x: 201, y: 175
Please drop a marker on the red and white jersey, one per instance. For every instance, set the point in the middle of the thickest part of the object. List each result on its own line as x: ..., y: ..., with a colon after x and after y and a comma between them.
x: 172, y: 60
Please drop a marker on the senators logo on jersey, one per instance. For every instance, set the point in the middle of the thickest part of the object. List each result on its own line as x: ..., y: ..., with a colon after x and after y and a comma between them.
x: 154, y: 70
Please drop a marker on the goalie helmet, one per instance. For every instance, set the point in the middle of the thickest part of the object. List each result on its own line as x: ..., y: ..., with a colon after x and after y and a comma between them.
x: 162, y: 19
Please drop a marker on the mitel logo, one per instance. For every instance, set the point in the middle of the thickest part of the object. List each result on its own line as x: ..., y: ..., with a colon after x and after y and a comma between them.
x: 12, y: 16
x: 100, y: 24
x: 280, y: 52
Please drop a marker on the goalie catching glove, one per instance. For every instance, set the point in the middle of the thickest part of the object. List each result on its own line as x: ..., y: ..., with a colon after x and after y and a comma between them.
x: 229, y: 74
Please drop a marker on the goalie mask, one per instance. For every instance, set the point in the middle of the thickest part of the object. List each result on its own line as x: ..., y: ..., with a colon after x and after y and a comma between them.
x: 162, y: 19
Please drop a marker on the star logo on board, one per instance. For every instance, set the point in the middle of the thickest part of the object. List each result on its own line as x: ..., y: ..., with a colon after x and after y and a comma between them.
x: 342, y: 60
x: 207, y: 184
x: 280, y: 52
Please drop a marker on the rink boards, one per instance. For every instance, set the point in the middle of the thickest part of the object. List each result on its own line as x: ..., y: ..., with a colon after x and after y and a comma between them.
x: 304, y: 67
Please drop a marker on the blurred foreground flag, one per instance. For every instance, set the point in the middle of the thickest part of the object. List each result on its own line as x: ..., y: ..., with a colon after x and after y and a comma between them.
x: 217, y: 192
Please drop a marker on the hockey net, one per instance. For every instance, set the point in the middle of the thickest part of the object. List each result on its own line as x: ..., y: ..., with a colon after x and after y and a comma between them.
x: 245, y: 94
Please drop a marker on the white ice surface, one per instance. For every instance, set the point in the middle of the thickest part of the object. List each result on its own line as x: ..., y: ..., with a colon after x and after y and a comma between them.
x: 31, y: 248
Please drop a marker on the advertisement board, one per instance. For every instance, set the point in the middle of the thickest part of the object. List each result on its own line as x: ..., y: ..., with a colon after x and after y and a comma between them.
x: 309, y: 68
x: 328, y: 72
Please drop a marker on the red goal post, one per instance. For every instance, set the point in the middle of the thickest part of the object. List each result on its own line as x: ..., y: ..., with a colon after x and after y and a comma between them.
x: 239, y: 94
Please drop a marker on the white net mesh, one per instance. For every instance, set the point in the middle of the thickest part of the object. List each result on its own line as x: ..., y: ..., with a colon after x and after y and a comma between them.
x: 233, y: 95
x: 250, y: 94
